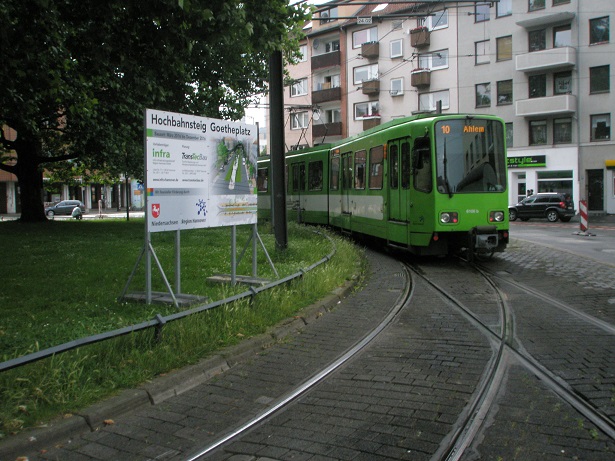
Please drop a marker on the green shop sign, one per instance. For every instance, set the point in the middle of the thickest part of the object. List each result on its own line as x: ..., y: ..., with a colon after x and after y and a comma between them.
x: 528, y: 161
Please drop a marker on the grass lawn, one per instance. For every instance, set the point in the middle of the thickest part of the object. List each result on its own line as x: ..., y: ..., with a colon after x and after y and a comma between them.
x: 62, y: 280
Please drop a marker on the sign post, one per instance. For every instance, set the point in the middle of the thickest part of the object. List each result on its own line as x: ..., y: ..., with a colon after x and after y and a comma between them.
x: 199, y: 173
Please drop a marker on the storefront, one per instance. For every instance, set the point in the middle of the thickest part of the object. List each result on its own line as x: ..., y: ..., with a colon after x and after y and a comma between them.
x: 610, y: 186
x: 543, y: 170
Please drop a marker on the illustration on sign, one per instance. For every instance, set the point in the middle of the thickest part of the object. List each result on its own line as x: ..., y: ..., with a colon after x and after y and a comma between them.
x: 200, y: 172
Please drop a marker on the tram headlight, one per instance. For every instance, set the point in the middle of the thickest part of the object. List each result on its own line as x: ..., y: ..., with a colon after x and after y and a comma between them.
x: 496, y: 216
x: 449, y: 217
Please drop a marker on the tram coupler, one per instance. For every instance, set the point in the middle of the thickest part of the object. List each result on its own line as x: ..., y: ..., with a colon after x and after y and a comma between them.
x: 484, y: 238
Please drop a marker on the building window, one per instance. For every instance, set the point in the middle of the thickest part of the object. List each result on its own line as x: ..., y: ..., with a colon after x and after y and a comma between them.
x: 599, y: 79
x: 434, y: 60
x: 504, y: 48
x: 509, y: 135
x: 534, y: 5
x: 333, y: 115
x: 397, y: 24
x: 505, y: 92
x: 365, y: 73
x: 328, y: 15
x: 483, y: 95
x: 503, y: 8
x: 562, y: 82
x: 397, y: 48
x: 303, y: 53
x: 538, y: 132
x: 366, y: 109
x: 562, y: 36
x: 482, y: 50
x: 599, y: 30
x: 481, y: 12
x: 560, y: 2
x: 428, y: 101
x: 299, y: 120
x: 299, y: 88
x: 397, y: 86
x: 537, y: 40
x: 601, y: 127
x: 562, y: 130
x: 439, y: 20
x: 362, y: 36
x: 538, y: 86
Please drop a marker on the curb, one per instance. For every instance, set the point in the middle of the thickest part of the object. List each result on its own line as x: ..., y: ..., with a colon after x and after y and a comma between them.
x: 167, y: 386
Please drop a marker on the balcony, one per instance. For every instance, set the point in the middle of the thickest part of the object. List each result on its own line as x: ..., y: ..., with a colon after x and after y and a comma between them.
x: 371, y: 122
x: 420, y: 77
x: 370, y: 50
x: 320, y: 130
x: 419, y: 37
x: 326, y: 95
x: 371, y: 87
x: 326, y: 60
x: 554, y: 58
x: 551, y: 105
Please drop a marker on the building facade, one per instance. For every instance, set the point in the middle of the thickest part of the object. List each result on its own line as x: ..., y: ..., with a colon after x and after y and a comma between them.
x: 541, y: 65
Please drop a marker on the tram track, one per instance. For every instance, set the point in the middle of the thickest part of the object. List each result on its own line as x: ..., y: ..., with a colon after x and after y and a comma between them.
x: 314, y: 380
x: 510, y: 349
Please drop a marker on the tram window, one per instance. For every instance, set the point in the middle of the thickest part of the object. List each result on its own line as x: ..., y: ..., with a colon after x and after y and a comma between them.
x: 334, y: 180
x: 315, y: 175
x: 376, y: 155
x: 298, y: 177
x: 422, y: 169
x: 406, y: 166
x: 359, y: 169
x: 394, y: 166
x: 262, y: 180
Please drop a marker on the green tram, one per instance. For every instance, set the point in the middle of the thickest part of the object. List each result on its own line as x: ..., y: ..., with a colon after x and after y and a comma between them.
x: 431, y: 184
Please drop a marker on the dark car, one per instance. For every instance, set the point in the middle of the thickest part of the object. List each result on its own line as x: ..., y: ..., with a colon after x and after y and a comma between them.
x: 65, y: 207
x: 550, y: 205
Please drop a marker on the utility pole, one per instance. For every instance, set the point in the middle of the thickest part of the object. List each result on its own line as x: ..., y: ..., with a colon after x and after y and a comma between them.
x: 276, y: 122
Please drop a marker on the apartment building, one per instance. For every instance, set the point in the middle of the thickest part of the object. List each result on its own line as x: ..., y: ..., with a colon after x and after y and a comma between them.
x: 541, y: 65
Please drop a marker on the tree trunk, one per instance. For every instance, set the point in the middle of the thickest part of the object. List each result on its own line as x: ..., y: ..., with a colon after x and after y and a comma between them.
x: 30, y: 180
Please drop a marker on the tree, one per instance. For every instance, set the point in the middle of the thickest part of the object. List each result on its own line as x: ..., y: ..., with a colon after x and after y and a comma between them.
x: 75, y: 85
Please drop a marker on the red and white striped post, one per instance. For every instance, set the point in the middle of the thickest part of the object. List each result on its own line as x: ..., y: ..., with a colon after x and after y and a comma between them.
x: 583, y: 213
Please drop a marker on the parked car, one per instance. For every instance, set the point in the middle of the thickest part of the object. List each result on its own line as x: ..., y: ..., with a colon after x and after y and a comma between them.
x: 550, y: 205
x: 65, y: 207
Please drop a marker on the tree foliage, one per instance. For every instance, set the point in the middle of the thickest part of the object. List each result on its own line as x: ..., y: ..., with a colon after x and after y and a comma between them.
x: 77, y: 76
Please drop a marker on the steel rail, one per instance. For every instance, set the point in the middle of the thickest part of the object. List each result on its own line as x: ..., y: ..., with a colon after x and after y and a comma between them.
x: 301, y: 389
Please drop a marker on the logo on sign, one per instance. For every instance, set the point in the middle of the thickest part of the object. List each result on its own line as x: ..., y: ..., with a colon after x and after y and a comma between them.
x: 155, y: 210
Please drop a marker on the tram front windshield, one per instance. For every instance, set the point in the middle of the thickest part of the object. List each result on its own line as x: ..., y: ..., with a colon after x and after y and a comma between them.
x: 470, y: 156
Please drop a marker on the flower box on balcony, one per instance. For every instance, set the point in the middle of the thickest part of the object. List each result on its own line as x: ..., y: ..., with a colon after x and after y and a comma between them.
x: 371, y: 87
x: 370, y: 50
x: 420, y: 77
x: 419, y: 37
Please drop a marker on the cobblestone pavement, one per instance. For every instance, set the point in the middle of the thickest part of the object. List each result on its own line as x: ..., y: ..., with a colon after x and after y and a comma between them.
x: 398, y: 400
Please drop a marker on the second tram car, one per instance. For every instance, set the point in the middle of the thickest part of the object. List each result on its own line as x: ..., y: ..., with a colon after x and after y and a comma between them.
x: 432, y: 184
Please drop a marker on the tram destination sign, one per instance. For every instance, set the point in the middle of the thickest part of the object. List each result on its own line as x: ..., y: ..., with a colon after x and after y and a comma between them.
x: 527, y: 161
x: 200, y: 172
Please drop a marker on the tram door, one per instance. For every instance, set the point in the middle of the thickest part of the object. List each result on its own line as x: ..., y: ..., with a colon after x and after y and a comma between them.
x: 399, y: 179
x: 346, y: 189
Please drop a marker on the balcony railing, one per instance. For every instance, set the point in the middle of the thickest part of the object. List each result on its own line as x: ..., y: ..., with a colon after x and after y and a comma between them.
x: 326, y: 129
x: 421, y: 77
x: 554, y: 58
x: 550, y: 105
x: 419, y: 37
x: 371, y: 122
x: 371, y: 87
x: 326, y: 60
x: 370, y: 50
x: 327, y: 94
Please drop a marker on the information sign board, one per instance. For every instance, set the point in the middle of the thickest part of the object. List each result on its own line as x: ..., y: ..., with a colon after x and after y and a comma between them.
x: 200, y: 172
